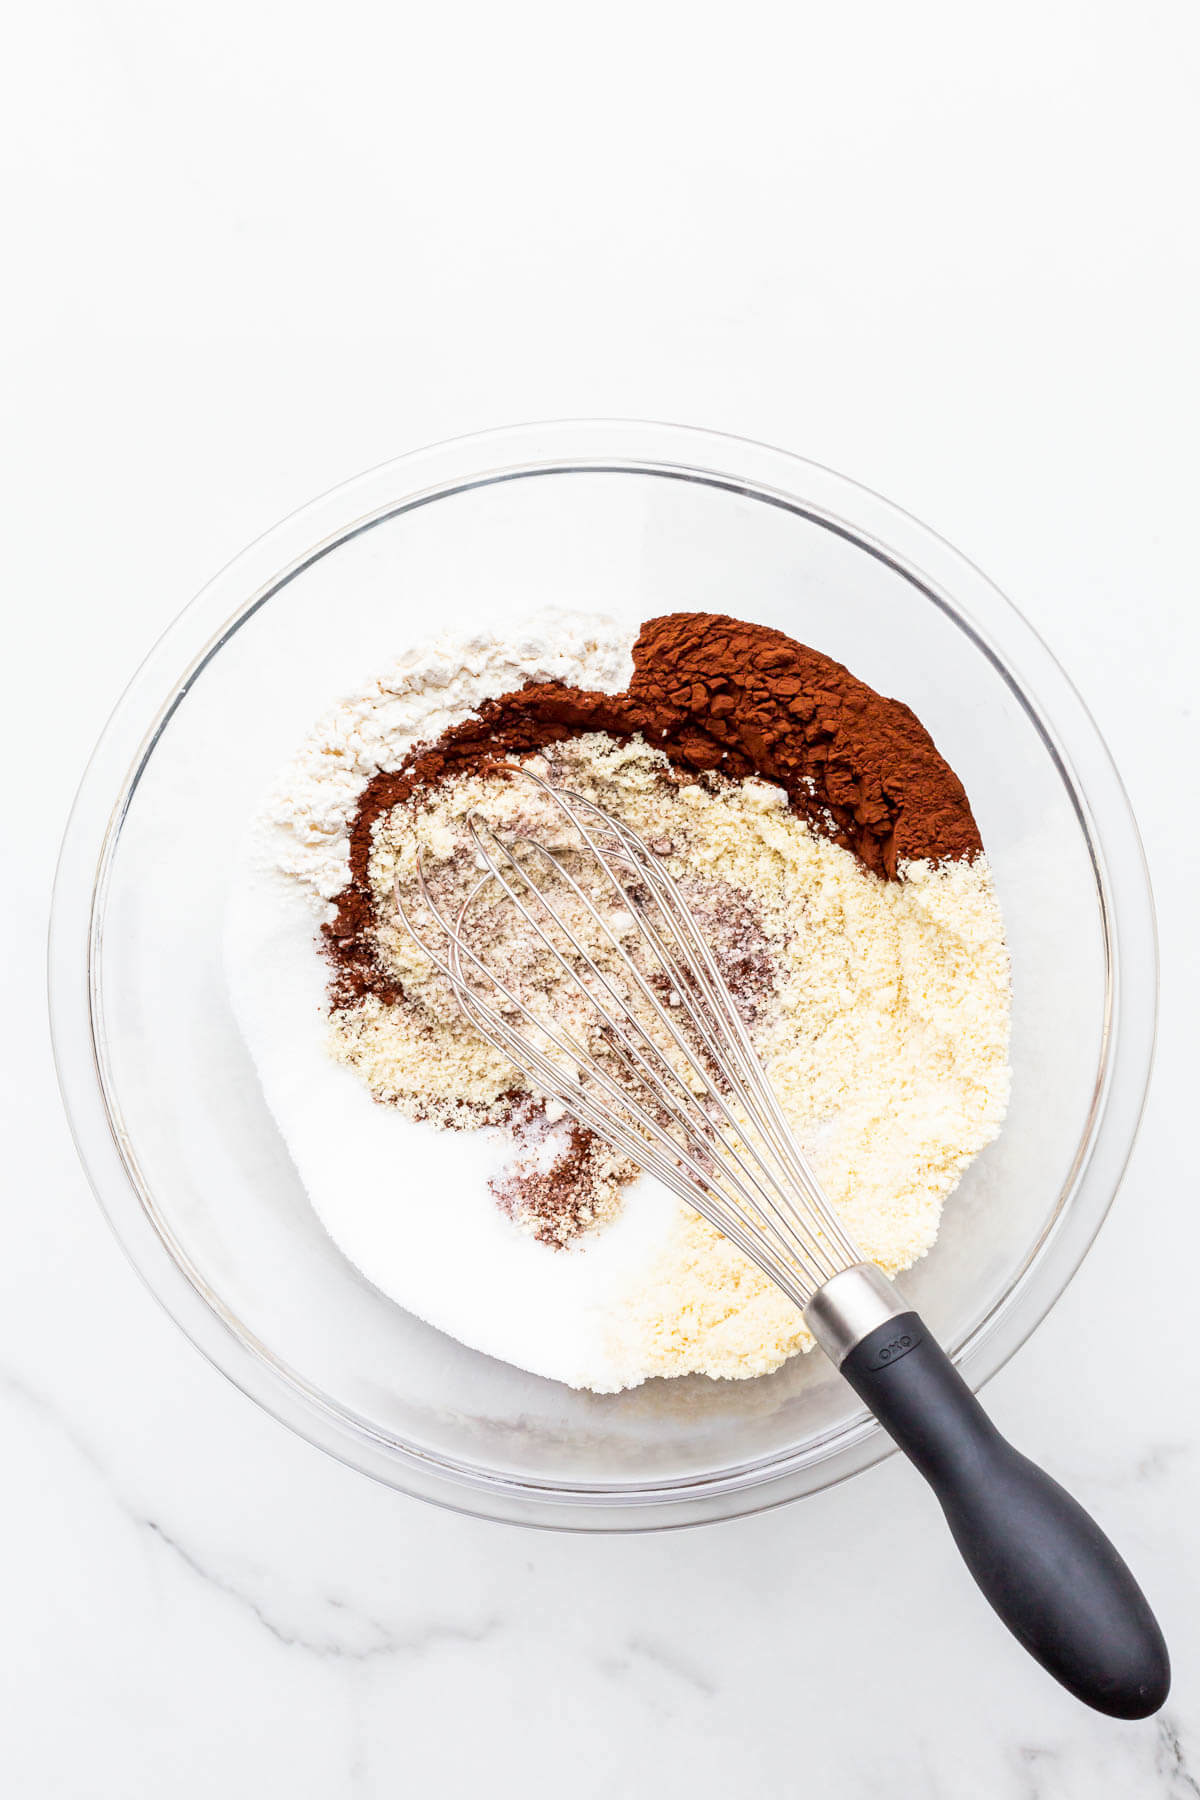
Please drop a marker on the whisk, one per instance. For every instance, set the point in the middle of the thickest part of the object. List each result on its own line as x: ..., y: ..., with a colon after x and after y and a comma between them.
x: 663, y: 1069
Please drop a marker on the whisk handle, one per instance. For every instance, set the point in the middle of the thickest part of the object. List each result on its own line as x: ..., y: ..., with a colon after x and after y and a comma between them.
x: 1041, y: 1560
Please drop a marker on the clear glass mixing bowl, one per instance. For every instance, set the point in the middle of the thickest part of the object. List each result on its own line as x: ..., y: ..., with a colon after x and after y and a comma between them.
x: 634, y: 519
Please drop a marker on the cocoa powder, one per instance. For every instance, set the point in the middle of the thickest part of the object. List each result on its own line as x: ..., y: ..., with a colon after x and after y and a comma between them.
x: 576, y: 1190
x: 714, y: 694
x: 719, y: 694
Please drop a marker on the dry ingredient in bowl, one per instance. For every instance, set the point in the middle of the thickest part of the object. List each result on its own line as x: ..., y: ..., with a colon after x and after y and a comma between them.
x: 426, y: 691
x: 845, y: 895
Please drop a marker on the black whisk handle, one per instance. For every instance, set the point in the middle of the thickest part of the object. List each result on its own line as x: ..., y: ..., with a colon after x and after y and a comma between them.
x: 1040, y: 1559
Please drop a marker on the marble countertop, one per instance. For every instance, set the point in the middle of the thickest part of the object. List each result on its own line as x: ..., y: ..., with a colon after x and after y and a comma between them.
x: 955, y: 268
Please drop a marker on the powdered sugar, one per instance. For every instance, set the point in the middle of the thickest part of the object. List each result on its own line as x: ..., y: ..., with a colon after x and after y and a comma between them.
x: 426, y: 690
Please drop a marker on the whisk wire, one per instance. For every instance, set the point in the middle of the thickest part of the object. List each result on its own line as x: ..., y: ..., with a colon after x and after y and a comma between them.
x: 675, y: 908
x: 777, y: 1131
x: 702, y: 972
x: 695, y: 1186
x: 712, y: 1129
x: 758, y: 1188
x: 763, y: 1178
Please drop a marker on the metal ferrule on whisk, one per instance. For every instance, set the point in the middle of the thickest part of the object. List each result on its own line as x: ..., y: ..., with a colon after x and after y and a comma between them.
x: 850, y: 1307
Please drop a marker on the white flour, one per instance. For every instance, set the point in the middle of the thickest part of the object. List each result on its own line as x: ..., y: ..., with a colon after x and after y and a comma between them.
x: 425, y: 691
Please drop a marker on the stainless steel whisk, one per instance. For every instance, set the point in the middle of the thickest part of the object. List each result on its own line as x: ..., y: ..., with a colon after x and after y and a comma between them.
x: 669, y: 1077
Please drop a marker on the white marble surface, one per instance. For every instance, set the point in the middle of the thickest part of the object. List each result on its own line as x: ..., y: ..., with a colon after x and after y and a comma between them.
x: 259, y: 248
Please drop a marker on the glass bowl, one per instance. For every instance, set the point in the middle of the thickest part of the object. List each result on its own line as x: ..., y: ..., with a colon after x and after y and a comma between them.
x: 634, y: 519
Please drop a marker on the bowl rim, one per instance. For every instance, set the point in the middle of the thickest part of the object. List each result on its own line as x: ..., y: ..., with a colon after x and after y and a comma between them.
x: 713, y: 459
